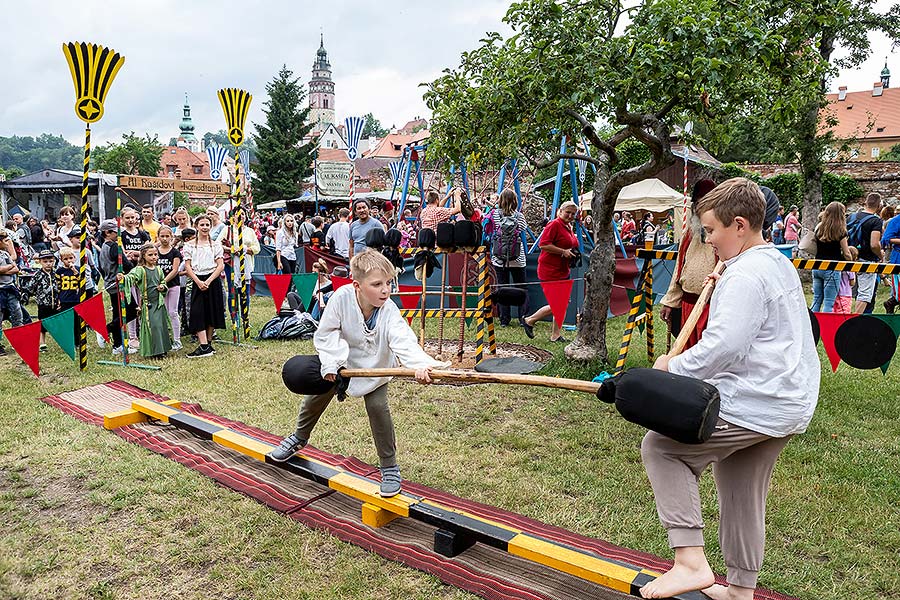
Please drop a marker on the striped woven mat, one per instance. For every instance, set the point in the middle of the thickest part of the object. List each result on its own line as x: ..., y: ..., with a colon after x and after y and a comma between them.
x: 482, y: 570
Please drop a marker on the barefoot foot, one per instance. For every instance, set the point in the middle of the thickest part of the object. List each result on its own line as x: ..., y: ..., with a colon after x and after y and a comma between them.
x: 677, y: 580
x: 717, y: 592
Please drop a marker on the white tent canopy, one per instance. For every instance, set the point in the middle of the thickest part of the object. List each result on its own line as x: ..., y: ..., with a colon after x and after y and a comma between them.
x: 651, y: 195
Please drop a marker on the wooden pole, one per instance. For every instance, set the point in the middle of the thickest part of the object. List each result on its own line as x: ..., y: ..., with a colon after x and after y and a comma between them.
x: 692, y: 319
x: 575, y: 385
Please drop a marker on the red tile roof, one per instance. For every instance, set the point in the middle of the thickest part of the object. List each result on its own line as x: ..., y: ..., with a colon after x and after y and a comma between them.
x: 174, y: 157
x: 333, y: 155
x: 854, y: 112
x: 418, y: 124
x: 392, y: 145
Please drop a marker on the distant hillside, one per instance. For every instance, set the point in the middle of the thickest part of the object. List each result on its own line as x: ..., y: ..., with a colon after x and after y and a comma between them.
x: 33, y: 154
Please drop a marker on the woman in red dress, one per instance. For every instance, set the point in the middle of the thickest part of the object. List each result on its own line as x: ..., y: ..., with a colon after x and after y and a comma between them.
x: 554, y: 263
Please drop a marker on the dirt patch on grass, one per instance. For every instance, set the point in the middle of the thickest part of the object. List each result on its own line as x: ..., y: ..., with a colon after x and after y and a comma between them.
x: 449, y: 351
x: 64, y: 498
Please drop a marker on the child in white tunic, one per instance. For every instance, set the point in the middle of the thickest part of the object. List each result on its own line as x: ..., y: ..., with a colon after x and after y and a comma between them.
x: 362, y: 329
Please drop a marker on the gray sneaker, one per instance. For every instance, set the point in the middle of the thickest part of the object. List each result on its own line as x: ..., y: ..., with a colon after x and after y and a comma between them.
x: 287, y: 448
x: 390, y: 481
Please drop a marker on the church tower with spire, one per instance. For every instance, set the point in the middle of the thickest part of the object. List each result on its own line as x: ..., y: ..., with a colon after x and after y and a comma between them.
x: 187, y: 138
x: 321, y: 91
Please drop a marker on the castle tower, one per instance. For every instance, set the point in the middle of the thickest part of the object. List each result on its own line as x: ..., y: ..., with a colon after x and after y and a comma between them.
x: 885, y: 75
x: 187, y: 129
x: 321, y: 91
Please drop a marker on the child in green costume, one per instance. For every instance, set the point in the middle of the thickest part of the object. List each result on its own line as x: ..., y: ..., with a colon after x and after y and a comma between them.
x: 149, y: 280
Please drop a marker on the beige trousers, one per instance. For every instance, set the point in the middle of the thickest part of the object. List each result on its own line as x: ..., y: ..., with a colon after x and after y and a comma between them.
x: 742, y: 461
x: 379, y: 421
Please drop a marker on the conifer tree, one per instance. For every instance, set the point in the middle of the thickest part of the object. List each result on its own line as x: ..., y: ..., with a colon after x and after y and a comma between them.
x: 283, y: 159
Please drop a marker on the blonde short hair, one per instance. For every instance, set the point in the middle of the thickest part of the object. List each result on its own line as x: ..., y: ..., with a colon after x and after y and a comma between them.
x: 737, y: 197
x: 369, y: 262
x: 66, y: 251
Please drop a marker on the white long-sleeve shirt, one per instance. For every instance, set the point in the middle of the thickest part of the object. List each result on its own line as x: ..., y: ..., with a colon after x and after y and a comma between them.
x: 758, y: 348
x: 342, y: 340
x: 285, y: 244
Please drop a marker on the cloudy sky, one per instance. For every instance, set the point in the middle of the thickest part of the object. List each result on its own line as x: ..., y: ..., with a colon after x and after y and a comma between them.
x: 379, y: 51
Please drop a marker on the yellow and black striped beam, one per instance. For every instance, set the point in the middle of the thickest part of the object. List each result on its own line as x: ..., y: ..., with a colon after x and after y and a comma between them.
x: 843, y: 265
x: 609, y: 573
x: 657, y: 254
x: 449, y: 313
x: 413, y: 251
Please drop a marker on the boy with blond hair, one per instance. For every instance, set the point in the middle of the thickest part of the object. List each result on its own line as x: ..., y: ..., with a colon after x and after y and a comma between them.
x: 758, y: 350
x: 362, y: 329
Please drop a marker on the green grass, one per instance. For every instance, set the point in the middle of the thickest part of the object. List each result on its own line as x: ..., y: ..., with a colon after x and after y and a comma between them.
x: 88, y: 515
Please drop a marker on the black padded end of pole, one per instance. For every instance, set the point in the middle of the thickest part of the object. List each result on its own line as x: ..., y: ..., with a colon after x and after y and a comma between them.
x: 607, y: 391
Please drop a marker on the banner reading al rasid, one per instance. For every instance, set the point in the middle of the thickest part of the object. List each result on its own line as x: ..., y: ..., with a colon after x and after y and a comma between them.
x: 333, y: 178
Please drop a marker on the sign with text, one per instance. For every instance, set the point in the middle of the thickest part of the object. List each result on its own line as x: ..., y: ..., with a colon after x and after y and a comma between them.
x: 333, y: 178
x: 163, y: 184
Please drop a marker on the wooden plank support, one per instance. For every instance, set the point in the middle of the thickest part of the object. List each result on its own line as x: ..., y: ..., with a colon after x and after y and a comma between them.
x: 375, y: 516
x: 456, y: 530
x: 452, y: 543
x: 130, y: 416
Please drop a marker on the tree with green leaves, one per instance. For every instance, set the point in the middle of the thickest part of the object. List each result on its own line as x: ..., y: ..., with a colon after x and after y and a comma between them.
x: 812, y: 31
x: 566, y: 68
x: 135, y: 155
x: 372, y: 127
x: 30, y: 154
x: 283, y: 159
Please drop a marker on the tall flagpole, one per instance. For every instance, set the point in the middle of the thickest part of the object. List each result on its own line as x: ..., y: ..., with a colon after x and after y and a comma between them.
x: 236, y: 104
x: 93, y: 69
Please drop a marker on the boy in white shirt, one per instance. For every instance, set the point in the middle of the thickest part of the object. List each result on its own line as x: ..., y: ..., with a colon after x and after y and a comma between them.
x: 758, y: 350
x: 362, y: 329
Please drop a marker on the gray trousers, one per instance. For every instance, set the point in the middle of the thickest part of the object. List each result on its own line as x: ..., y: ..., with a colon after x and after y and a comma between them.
x: 742, y: 461
x: 380, y: 421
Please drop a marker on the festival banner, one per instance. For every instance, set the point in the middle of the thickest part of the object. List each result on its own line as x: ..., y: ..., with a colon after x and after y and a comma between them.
x: 333, y: 178
x: 278, y: 286
x: 305, y: 284
x: 216, y: 155
x: 93, y: 313
x: 828, y: 326
x: 26, y: 340
x: 354, y: 127
x: 410, y: 301
x: 337, y: 282
x: 558, y: 294
x: 61, y: 328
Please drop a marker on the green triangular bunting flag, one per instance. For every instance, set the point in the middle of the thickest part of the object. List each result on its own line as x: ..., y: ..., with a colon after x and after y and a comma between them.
x: 61, y: 328
x: 305, y: 283
x: 893, y: 322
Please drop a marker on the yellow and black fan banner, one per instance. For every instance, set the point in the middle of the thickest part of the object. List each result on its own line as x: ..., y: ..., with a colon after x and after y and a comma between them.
x: 93, y: 69
x: 236, y: 104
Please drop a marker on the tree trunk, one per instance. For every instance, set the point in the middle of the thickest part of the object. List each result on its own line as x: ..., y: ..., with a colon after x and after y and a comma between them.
x: 590, y: 341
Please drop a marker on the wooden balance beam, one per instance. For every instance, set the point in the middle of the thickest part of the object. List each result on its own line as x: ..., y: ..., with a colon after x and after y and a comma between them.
x: 456, y: 530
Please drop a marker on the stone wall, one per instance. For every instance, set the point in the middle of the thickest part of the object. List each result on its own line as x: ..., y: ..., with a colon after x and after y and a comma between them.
x: 877, y: 176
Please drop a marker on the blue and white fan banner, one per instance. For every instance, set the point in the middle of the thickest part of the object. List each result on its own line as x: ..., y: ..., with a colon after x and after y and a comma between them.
x: 354, y: 127
x: 395, y: 171
x: 216, y: 155
x: 582, y: 169
x: 244, y: 155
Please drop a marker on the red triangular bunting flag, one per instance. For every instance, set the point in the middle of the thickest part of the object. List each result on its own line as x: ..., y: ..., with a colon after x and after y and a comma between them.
x: 93, y: 313
x: 410, y: 301
x: 828, y: 326
x: 558, y: 294
x: 337, y: 282
x: 619, y: 301
x: 278, y: 286
x: 25, y: 340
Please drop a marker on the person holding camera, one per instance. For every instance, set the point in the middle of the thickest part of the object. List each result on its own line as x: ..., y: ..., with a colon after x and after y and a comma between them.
x: 559, y: 248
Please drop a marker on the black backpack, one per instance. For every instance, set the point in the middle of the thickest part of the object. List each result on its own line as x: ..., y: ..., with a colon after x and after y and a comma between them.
x: 506, y: 244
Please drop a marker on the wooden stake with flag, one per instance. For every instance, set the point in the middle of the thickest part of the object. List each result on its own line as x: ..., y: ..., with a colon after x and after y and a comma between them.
x: 93, y: 70
x: 236, y: 104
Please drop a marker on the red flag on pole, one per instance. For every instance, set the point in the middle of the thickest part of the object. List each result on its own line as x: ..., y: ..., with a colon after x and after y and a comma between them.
x: 558, y: 294
x: 337, y: 282
x: 278, y: 286
x: 410, y: 301
x: 91, y: 310
x: 25, y: 340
